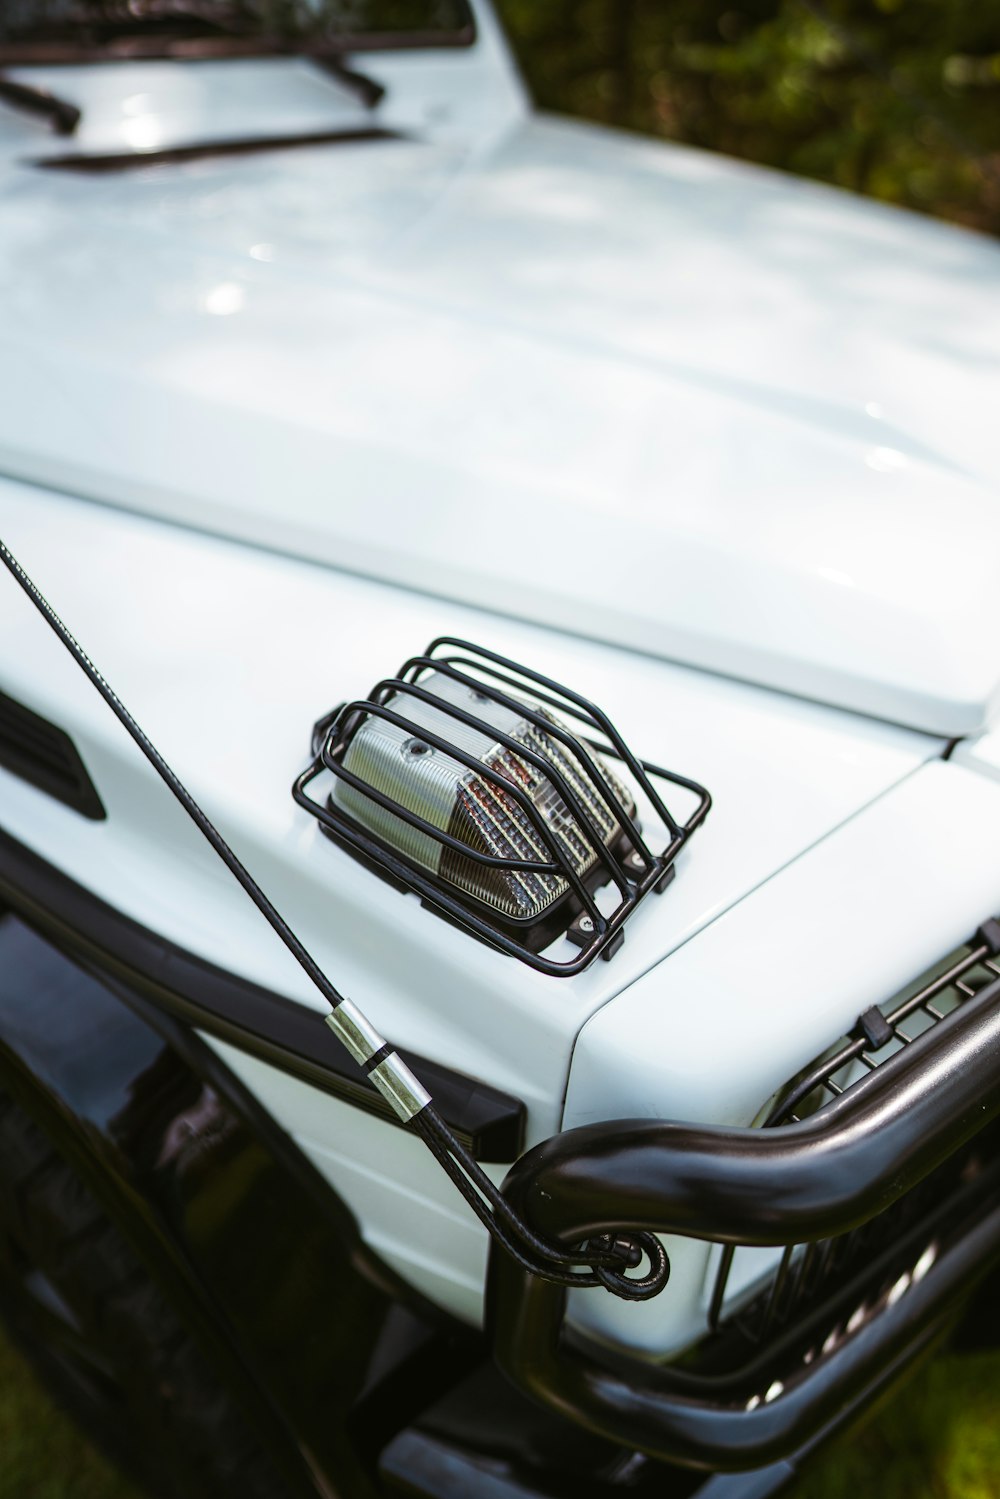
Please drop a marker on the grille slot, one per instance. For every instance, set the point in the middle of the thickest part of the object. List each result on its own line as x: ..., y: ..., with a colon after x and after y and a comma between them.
x: 810, y: 1275
x: 46, y: 757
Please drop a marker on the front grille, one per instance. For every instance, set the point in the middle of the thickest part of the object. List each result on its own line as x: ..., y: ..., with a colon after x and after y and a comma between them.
x: 882, y: 1257
x: 45, y: 756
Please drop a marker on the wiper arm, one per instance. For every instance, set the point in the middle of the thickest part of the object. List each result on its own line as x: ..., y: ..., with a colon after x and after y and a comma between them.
x: 226, y: 38
x: 39, y: 101
x: 364, y: 88
x: 185, y: 29
x: 317, y: 49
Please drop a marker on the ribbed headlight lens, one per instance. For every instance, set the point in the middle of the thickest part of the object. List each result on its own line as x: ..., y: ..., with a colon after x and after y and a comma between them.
x: 475, y: 808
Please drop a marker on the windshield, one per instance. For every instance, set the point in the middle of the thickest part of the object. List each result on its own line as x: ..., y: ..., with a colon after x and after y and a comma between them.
x: 71, y: 30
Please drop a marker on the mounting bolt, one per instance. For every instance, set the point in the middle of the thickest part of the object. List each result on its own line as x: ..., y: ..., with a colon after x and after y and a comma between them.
x: 586, y: 924
x: 636, y: 860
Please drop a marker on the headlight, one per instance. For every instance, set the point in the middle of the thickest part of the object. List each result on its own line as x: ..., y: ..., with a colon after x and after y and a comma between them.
x: 479, y: 808
x: 462, y: 779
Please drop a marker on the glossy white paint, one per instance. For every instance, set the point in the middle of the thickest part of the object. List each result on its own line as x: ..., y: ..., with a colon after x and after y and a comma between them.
x: 749, y: 418
x: 408, y: 1210
x: 615, y: 395
x: 226, y: 656
x: 744, y: 1006
x: 981, y: 753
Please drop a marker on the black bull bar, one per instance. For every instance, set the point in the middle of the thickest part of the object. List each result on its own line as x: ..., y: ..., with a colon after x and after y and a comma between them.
x: 798, y: 1184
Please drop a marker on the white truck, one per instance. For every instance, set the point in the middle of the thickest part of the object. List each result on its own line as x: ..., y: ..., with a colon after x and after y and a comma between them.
x: 318, y: 345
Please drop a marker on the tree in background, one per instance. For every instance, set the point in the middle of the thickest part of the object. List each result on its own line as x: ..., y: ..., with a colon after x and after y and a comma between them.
x: 897, y: 98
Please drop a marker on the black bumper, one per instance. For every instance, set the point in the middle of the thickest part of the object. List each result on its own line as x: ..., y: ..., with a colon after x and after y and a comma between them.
x: 798, y: 1184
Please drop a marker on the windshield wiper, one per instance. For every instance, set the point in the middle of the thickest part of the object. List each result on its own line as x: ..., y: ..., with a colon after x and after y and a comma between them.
x: 186, y: 29
x: 368, y: 90
x: 39, y: 101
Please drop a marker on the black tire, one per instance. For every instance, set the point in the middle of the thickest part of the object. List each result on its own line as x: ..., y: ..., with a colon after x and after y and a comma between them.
x: 105, y: 1339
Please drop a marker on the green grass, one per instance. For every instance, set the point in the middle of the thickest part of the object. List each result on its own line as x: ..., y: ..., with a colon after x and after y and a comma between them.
x: 42, y: 1455
x: 937, y: 1439
x: 940, y: 1439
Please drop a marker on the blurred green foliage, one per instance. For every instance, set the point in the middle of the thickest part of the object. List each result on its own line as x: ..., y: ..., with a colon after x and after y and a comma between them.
x: 42, y: 1455
x: 939, y: 1438
x: 897, y: 98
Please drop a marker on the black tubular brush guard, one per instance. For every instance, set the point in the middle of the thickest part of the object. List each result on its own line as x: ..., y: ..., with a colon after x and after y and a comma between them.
x: 804, y: 1182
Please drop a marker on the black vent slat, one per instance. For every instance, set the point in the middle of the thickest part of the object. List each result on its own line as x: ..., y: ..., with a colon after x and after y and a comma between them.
x: 45, y: 756
x: 27, y: 739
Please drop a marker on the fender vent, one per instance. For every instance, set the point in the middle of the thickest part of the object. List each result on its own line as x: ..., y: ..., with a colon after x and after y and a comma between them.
x: 46, y: 757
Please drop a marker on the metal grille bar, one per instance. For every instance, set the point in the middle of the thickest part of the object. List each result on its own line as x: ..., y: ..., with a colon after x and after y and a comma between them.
x: 807, y: 1273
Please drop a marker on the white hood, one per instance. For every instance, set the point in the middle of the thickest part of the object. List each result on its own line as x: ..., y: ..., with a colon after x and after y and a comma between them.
x: 626, y: 389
